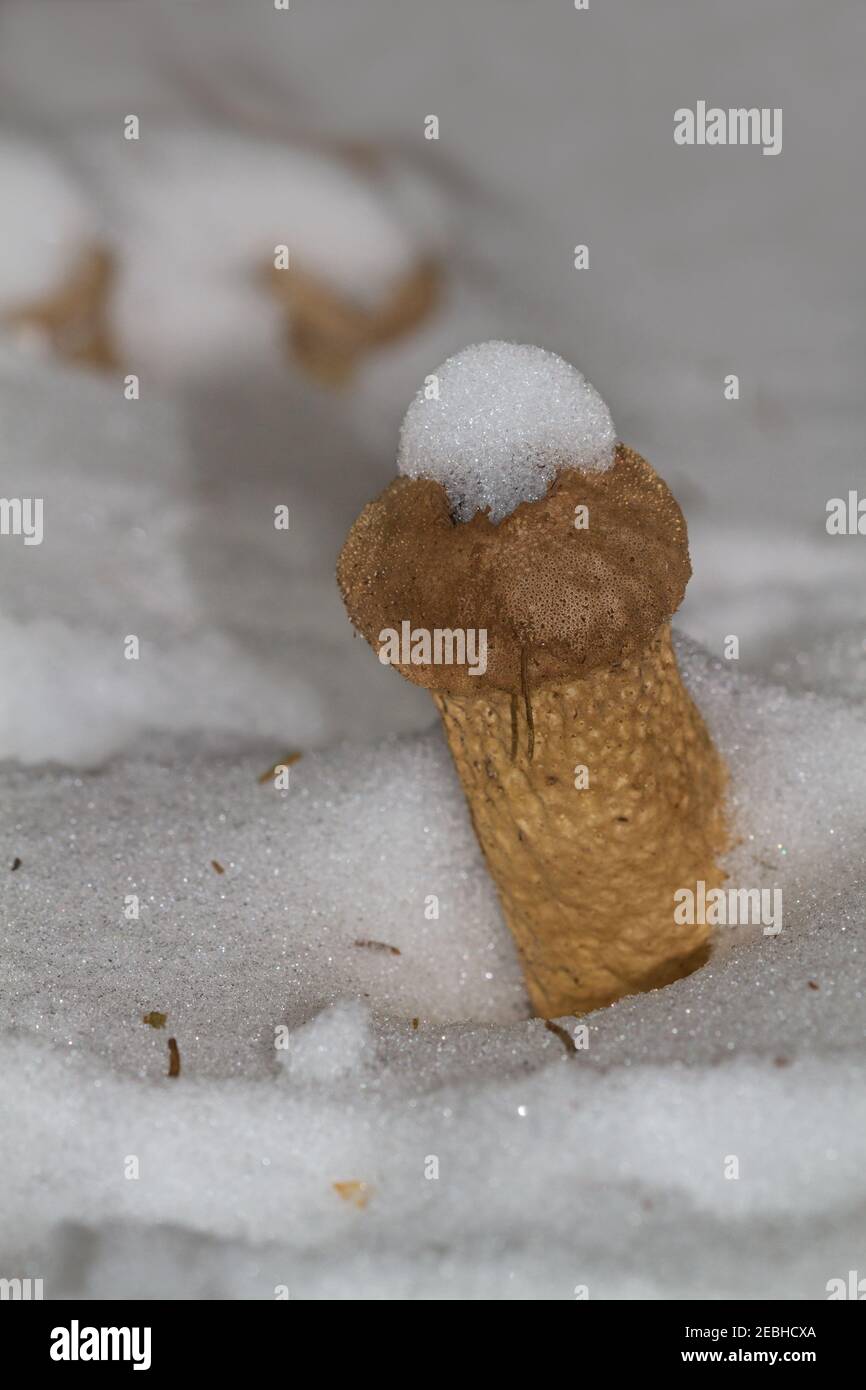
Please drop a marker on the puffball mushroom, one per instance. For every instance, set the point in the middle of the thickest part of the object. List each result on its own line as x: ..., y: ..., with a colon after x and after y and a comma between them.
x: 593, y: 785
x: 102, y: 279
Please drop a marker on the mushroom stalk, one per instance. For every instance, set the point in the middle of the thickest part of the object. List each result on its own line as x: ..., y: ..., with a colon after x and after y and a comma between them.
x: 610, y: 801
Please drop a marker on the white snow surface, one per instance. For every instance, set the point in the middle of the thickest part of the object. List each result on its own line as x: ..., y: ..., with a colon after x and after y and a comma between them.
x: 497, y: 422
x: 602, y: 1168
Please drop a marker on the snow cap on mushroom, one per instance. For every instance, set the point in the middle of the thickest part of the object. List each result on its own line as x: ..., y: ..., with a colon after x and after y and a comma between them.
x: 496, y: 423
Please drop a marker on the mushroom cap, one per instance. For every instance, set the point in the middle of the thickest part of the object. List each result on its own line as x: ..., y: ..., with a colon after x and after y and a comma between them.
x: 560, y: 599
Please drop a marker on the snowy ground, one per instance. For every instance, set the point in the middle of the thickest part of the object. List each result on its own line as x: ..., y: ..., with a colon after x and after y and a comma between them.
x: 602, y: 1168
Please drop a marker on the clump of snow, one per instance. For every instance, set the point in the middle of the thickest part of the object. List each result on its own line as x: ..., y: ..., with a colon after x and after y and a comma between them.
x: 337, y: 1043
x: 496, y: 423
x: 47, y: 221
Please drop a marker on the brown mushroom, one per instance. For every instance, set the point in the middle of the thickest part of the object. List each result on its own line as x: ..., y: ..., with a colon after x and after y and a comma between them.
x: 594, y: 788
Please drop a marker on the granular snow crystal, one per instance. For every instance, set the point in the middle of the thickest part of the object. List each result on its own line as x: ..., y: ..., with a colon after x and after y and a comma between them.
x: 496, y: 423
